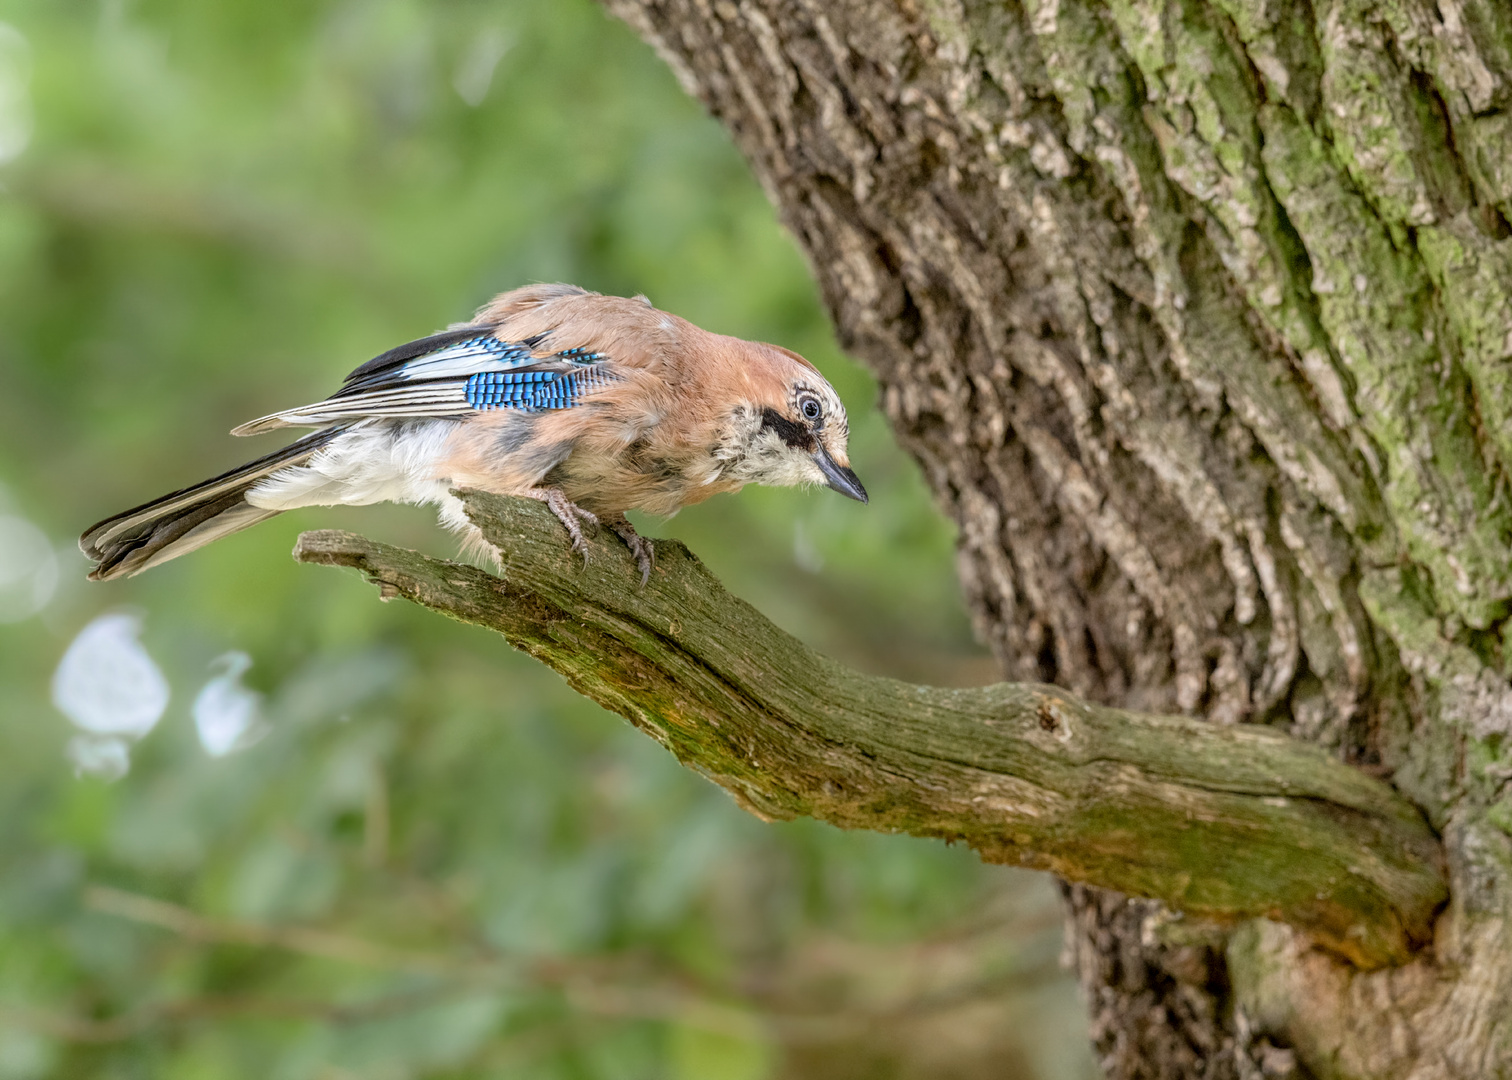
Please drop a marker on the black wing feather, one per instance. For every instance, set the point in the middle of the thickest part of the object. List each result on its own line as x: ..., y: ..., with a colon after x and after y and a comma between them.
x: 402, y: 354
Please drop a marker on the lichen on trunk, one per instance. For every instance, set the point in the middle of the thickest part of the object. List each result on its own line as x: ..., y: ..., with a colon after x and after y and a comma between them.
x: 1197, y: 316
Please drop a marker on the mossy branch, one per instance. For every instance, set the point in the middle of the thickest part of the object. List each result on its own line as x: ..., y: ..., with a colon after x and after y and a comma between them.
x: 1225, y: 823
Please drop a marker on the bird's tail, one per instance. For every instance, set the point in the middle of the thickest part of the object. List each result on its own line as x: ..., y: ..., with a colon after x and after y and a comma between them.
x: 179, y: 522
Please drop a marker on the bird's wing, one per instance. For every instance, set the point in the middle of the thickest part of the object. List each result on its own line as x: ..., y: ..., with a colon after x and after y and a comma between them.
x: 452, y: 375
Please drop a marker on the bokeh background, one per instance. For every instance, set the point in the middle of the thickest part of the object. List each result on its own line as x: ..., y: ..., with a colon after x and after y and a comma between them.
x: 254, y: 823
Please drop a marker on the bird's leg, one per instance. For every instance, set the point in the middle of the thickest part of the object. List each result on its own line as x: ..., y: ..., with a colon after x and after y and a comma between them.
x: 639, y: 546
x: 568, y: 513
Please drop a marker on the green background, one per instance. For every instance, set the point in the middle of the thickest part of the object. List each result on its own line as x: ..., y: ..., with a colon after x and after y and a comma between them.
x: 434, y: 860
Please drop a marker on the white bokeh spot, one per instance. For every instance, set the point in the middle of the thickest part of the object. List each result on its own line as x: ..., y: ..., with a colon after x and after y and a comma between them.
x: 225, y: 711
x: 28, y: 569
x: 15, y: 93
x: 475, y: 74
x: 106, y: 682
x: 103, y: 757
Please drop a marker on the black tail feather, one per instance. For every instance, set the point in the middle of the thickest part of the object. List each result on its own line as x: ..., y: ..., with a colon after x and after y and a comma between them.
x: 179, y: 522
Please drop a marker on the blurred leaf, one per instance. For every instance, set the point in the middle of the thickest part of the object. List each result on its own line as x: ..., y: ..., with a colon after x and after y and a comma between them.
x: 715, y: 1048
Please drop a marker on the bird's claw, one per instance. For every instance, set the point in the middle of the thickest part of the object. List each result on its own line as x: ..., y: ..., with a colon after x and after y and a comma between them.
x: 645, y: 556
x: 640, y: 547
x: 569, y: 514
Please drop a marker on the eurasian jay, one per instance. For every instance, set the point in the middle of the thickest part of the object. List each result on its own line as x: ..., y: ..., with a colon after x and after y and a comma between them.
x: 592, y: 404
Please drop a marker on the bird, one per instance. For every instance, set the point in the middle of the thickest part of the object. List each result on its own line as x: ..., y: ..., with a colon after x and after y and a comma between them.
x: 591, y: 404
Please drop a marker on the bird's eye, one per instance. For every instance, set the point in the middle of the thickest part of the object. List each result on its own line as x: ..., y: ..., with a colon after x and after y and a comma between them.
x: 810, y: 408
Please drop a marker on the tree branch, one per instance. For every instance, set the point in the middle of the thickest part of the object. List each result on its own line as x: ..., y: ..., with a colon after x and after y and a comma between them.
x: 1221, y: 822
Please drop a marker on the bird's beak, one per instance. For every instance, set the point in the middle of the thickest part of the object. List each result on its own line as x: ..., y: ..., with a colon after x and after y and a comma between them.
x: 839, y: 477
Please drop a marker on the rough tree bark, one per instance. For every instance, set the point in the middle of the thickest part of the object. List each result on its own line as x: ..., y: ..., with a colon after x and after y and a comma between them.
x: 1196, y: 314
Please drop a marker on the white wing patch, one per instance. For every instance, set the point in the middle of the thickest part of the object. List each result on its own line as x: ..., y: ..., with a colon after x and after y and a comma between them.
x: 484, y: 353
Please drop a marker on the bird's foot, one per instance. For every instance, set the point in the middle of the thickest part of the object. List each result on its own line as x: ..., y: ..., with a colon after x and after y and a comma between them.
x: 640, y: 547
x: 569, y: 514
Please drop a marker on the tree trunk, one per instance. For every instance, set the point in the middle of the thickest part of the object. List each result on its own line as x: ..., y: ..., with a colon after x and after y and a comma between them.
x: 1198, y: 317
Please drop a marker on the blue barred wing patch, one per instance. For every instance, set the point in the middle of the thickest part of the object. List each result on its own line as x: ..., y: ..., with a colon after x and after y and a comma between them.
x: 533, y: 391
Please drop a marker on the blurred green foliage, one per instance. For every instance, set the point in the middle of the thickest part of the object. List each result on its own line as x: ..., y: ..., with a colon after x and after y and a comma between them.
x: 432, y: 859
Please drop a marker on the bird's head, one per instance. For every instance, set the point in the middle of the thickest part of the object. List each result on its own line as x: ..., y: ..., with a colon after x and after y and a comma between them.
x: 794, y: 431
